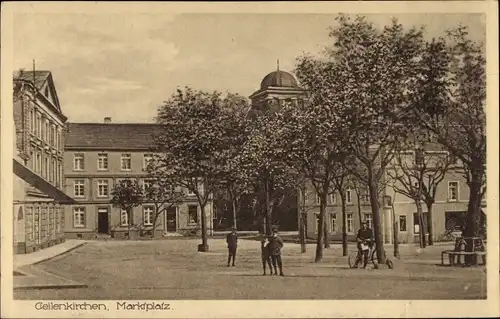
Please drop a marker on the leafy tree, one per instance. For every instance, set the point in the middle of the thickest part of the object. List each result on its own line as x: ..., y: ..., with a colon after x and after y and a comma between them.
x: 195, y: 134
x: 316, y: 134
x: 233, y: 180
x: 451, y: 107
x: 375, y: 74
x: 263, y: 161
x: 126, y: 195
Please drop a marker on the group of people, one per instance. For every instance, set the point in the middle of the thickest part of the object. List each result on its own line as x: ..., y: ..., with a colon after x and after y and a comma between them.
x: 270, y: 247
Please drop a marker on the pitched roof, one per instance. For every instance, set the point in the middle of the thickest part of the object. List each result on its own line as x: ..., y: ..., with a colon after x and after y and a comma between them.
x: 110, y: 136
x: 40, y: 77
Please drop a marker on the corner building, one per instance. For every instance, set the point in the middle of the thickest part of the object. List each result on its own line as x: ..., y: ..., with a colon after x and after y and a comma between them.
x: 97, y: 157
x: 39, y: 196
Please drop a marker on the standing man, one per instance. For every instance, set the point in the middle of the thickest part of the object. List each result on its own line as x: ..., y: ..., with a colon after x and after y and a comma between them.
x: 275, y: 245
x: 266, y: 255
x: 232, y: 244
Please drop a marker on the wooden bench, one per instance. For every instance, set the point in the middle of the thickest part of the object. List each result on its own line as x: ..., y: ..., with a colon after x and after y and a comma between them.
x: 452, y: 254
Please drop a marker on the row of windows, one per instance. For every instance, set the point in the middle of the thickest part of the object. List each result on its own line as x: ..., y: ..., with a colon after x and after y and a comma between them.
x: 453, y: 191
x: 369, y: 220
x: 103, y: 188
x: 45, y: 129
x: 43, y: 222
x: 47, y: 166
x: 349, y: 222
x: 102, y: 161
x: 79, y: 216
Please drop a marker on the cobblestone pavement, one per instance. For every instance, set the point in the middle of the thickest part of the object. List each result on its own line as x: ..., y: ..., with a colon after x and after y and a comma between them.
x: 172, y: 269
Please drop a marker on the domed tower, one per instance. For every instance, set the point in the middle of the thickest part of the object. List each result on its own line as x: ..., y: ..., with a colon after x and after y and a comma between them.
x: 276, y: 88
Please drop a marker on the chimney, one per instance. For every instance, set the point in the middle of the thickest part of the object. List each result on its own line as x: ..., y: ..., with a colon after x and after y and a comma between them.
x: 107, y: 120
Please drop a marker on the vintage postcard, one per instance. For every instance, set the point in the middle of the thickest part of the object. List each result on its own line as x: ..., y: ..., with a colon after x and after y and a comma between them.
x: 249, y: 159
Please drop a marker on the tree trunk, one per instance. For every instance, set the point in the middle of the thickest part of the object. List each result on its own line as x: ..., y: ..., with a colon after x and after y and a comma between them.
x: 326, y: 234
x: 129, y: 221
x: 155, y: 220
x: 344, y: 225
x: 377, y: 223
x: 430, y: 227
x: 359, y: 206
x: 302, y: 233
x: 321, y: 228
x: 302, y: 218
x: 234, y: 204
x: 473, y: 220
x: 421, y: 230
x: 204, y: 236
x: 395, y: 231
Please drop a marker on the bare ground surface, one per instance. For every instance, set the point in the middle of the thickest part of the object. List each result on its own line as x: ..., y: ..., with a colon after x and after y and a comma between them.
x: 172, y: 269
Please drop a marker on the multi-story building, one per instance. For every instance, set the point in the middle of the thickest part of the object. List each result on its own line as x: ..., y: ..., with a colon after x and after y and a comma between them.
x: 449, y: 208
x: 38, y: 163
x: 97, y: 157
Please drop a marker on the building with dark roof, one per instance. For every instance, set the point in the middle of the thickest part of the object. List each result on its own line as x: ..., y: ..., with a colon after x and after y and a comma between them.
x: 97, y: 157
x: 276, y: 88
x: 38, y: 165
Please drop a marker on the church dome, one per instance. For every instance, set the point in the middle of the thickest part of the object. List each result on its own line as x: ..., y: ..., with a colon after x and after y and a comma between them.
x: 279, y: 79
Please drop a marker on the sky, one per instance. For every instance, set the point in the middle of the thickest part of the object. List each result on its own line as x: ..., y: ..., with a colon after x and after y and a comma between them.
x: 125, y: 65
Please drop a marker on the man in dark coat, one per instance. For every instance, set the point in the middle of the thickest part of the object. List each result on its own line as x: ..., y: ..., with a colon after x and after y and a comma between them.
x: 266, y: 255
x: 232, y: 244
x: 365, y: 235
x: 275, y: 245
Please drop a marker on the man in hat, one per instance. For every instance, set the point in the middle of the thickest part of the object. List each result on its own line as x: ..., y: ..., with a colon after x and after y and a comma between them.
x: 365, y: 235
x: 275, y: 246
x: 232, y: 244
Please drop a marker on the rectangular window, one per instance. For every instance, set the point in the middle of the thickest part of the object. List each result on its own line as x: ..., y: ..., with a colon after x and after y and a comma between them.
x: 126, y: 162
x: 348, y: 196
x: 53, y: 171
x: 350, y: 226
x: 193, y: 214
x: 57, y: 221
x: 29, y: 223
x: 148, y: 216
x: 333, y: 223
x: 333, y: 198
x: 46, y: 167
x: 59, y: 142
x: 78, y: 217
x: 38, y: 163
x: 147, y: 184
x: 366, y: 196
x: 402, y: 223
x: 102, y: 188
x: 147, y: 159
x: 369, y: 220
x: 78, y: 162
x: 79, y: 188
x: 453, y: 191
x: 102, y: 161
x: 123, y: 217
x: 39, y: 125
x: 318, y: 199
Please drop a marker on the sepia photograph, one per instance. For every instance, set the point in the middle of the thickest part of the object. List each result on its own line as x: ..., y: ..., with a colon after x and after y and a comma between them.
x: 217, y: 153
